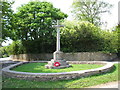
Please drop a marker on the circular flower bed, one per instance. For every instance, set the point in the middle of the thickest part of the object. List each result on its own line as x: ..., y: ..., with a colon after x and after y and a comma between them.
x: 57, y: 76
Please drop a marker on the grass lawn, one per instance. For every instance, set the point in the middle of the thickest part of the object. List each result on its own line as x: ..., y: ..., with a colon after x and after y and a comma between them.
x: 40, y: 68
x: 76, y: 83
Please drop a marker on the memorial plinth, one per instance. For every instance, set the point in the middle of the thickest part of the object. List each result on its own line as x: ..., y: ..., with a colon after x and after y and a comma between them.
x: 57, y: 62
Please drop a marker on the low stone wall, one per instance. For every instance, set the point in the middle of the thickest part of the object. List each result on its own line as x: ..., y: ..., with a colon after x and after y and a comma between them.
x: 57, y: 76
x: 83, y: 56
x: 89, y: 56
x: 7, y: 63
x: 32, y: 57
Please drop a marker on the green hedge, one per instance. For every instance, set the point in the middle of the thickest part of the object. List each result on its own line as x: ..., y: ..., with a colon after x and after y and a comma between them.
x: 29, y: 46
x: 85, y: 37
x: 117, y: 31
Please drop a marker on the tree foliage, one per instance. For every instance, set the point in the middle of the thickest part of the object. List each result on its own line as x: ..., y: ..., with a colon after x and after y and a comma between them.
x: 32, y: 31
x: 7, y: 18
x: 35, y: 19
x: 117, y: 33
x: 85, y: 37
x: 4, y: 52
x: 90, y: 10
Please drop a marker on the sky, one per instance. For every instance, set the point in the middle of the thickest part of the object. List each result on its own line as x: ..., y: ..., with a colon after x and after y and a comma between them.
x: 62, y: 4
x: 65, y: 6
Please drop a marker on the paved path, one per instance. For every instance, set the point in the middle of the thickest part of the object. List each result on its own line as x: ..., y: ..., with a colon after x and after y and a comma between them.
x: 107, y: 85
x: 4, y: 59
x: 116, y: 61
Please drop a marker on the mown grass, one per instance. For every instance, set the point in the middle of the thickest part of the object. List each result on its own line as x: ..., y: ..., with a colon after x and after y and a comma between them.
x: 76, y: 83
x: 40, y: 68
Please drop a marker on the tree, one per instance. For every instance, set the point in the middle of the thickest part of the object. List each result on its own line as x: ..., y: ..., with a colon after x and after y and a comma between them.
x: 33, y: 27
x: 35, y: 19
x: 7, y: 18
x: 90, y: 10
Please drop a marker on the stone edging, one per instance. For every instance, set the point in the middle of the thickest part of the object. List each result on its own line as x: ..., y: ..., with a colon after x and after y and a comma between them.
x: 57, y: 76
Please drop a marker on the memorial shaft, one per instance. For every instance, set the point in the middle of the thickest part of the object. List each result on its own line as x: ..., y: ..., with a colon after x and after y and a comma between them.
x: 57, y: 62
x: 58, y: 37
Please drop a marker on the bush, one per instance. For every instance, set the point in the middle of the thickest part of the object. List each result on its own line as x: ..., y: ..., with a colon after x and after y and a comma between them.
x: 29, y: 46
x: 39, y: 46
x: 16, y: 48
x: 110, y: 42
x: 3, y: 52
x: 117, y: 33
x: 85, y: 37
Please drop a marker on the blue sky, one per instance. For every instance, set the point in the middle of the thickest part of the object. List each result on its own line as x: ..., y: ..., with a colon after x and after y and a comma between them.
x: 65, y: 6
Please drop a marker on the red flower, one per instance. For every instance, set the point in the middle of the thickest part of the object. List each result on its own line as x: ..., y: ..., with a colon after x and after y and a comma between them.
x: 56, y: 64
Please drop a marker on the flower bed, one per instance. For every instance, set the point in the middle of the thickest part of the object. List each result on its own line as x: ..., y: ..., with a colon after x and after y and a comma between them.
x: 57, y: 76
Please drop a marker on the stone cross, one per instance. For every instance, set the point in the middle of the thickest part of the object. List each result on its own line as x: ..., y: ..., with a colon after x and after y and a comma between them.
x: 58, y: 35
x: 57, y: 62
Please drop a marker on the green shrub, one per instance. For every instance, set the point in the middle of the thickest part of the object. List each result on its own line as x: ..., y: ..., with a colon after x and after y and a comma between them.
x: 3, y: 52
x: 110, y: 42
x: 117, y: 33
x: 30, y: 46
x: 16, y: 48
x: 39, y: 46
x: 85, y: 37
